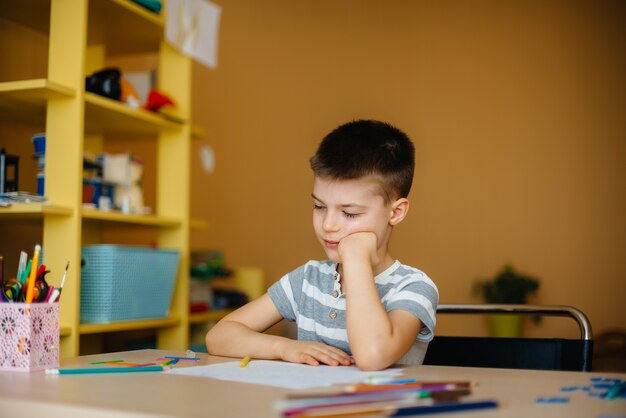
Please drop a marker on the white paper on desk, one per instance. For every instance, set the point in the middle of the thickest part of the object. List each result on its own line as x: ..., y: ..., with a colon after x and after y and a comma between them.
x: 282, y: 374
x: 191, y: 26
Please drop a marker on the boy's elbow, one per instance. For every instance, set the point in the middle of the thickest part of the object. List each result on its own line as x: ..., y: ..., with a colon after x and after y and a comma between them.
x: 211, y: 340
x: 371, y: 360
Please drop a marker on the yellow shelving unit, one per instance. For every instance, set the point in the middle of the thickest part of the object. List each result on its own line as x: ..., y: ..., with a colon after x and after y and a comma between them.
x: 76, y: 28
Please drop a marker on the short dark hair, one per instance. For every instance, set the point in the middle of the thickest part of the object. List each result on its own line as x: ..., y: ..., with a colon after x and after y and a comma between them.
x: 368, y: 147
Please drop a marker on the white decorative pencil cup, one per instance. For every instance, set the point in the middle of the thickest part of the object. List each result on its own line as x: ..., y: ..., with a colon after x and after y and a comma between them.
x: 29, y: 336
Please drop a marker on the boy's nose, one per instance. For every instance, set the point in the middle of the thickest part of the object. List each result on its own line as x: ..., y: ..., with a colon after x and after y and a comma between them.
x: 330, y: 223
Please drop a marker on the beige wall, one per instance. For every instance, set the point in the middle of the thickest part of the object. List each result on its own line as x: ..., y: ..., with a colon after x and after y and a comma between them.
x: 517, y: 110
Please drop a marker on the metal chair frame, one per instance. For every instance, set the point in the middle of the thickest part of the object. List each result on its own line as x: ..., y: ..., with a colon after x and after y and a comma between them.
x: 583, y: 348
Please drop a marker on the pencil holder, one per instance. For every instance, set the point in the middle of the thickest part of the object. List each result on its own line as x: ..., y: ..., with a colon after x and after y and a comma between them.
x: 29, y: 336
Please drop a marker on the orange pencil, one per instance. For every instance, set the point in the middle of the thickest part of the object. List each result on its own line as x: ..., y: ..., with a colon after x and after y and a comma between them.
x: 30, y: 289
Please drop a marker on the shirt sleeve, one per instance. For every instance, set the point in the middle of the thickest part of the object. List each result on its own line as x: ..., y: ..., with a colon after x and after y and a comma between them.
x: 419, y: 297
x: 282, y: 293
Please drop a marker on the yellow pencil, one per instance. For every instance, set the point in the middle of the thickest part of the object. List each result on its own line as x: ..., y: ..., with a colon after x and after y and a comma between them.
x: 30, y: 285
x: 244, y: 362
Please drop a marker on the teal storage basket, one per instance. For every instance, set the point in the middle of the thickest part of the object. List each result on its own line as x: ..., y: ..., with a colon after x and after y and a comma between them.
x: 119, y: 283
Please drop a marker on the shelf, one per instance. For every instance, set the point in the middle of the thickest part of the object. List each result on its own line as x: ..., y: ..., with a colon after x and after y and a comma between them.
x: 149, y: 220
x: 128, y: 325
x: 34, y: 14
x: 208, y: 316
x: 147, y: 27
x: 65, y: 331
x: 33, y: 210
x: 27, y: 99
x: 198, y: 224
x: 198, y: 132
x: 107, y: 116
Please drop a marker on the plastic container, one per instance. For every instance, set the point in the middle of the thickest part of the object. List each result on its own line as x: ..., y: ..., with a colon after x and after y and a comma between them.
x: 121, y: 283
x: 41, y: 180
x: 39, y: 142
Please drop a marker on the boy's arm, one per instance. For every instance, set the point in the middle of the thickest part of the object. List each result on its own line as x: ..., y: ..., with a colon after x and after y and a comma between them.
x: 377, y: 338
x: 240, y: 334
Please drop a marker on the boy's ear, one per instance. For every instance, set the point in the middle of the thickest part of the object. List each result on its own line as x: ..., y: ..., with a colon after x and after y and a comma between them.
x: 399, y: 210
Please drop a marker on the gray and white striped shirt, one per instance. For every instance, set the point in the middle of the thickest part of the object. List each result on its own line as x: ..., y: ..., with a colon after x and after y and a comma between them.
x: 310, y: 296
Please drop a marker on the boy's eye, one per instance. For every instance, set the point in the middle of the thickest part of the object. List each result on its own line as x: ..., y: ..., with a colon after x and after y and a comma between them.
x: 317, y: 207
x: 350, y: 215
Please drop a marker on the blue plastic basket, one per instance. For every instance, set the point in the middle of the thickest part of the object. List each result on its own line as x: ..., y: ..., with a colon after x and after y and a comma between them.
x: 121, y: 283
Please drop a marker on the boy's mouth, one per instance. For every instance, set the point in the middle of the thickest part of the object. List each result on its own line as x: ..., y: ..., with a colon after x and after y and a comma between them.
x: 331, y: 244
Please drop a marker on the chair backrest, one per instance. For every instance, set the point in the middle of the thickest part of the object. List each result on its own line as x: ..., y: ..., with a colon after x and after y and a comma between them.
x: 514, y: 353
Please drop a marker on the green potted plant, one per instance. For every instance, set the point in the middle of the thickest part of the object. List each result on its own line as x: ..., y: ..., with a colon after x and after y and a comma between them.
x: 508, y: 287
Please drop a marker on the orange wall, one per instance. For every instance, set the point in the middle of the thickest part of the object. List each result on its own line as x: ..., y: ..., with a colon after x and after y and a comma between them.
x: 517, y: 110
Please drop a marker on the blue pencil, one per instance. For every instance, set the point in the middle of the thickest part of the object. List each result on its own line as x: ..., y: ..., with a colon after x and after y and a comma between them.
x: 183, y: 358
x: 90, y: 370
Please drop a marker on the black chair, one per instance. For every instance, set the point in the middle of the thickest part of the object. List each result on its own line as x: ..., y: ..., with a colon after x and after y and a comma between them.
x: 514, y: 353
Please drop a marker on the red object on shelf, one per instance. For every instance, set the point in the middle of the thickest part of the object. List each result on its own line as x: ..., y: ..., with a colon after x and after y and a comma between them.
x: 157, y: 100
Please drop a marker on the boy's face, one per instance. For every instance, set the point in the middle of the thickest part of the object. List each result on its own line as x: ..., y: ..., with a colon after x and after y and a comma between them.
x: 343, y: 207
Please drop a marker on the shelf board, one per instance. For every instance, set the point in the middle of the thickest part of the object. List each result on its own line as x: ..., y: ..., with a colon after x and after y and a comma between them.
x: 34, y: 14
x: 128, y: 325
x: 27, y: 99
x: 65, y: 331
x: 200, y: 317
x: 198, y: 224
x: 107, y: 116
x: 149, y: 220
x: 34, y: 210
x: 198, y: 132
x: 108, y: 16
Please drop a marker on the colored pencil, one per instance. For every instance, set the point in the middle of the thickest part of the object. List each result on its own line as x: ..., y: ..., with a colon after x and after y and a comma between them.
x: 244, y: 362
x: 615, y: 391
x: 183, y: 358
x: 392, y: 409
x: 107, y: 361
x: 364, y: 387
x: 444, y: 407
x: 92, y: 370
x: 30, y: 284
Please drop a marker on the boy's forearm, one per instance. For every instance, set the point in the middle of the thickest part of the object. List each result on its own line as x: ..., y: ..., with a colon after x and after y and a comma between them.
x: 233, y: 339
x: 368, y: 325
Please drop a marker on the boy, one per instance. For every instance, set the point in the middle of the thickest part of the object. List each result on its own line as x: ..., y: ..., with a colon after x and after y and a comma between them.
x: 361, y: 306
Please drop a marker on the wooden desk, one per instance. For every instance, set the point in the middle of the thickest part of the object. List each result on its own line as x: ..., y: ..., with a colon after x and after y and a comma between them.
x: 161, y: 395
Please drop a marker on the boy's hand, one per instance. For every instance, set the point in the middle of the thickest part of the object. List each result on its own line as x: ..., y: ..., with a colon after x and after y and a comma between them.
x: 360, y: 246
x: 313, y: 353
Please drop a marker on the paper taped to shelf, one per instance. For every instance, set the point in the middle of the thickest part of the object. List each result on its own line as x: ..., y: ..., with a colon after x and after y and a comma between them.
x: 192, y: 27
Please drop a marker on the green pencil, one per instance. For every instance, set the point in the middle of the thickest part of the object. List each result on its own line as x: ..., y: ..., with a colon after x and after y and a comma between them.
x: 90, y: 370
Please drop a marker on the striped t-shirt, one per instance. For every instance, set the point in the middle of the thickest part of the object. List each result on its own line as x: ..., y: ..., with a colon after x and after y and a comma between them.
x: 311, y: 296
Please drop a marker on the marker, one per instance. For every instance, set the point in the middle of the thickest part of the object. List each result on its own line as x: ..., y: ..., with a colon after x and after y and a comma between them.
x: 25, y: 272
x: 90, y: 370
x: 49, y: 295
x: 244, y: 362
x: 21, y: 266
x: 30, y: 289
x: 53, y: 297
